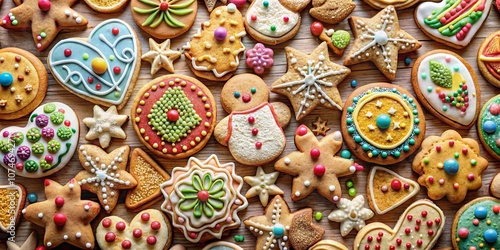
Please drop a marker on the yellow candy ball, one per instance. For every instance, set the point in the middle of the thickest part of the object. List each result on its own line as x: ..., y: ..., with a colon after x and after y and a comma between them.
x: 99, y: 65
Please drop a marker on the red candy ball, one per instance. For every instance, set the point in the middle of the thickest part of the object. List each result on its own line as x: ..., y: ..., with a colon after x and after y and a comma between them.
x: 319, y: 170
x: 238, y: 3
x: 126, y: 244
x: 494, y: 109
x: 302, y: 130
x: 59, y: 201
x: 173, y: 115
x: 137, y: 233
x: 155, y: 225
x: 164, y: 6
x: 67, y: 52
x: 67, y: 123
x: 145, y: 216
x: 117, y: 70
x: 396, y: 185
x: 246, y: 98
x: 251, y: 119
x: 44, y: 5
x: 315, y: 153
x: 255, y: 131
x: 203, y: 195
x: 151, y: 240
x: 110, y: 237
x: 120, y: 226
x: 406, y: 186
x: 258, y: 145
x: 59, y: 219
x: 106, y: 222
x: 496, y: 209
x: 316, y: 28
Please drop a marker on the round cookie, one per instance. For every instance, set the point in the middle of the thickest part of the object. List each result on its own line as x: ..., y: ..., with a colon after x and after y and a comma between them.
x: 487, y: 126
x: 174, y: 129
x: 398, y: 5
x: 382, y: 123
x: 107, y: 6
x: 23, y: 83
x: 488, y: 56
x: 222, y: 245
x: 475, y: 225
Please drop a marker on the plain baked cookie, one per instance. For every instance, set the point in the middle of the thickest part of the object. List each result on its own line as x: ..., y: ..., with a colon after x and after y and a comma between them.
x: 487, y: 126
x: 398, y: 4
x: 488, y: 58
x: 446, y: 85
x: 382, y: 123
x: 331, y: 11
x: 475, y: 225
x: 174, y: 115
x: 450, y: 166
x: 23, y: 83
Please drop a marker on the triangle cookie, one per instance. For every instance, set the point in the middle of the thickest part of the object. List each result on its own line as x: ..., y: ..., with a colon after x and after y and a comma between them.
x: 387, y: 190
x: 149, y: 176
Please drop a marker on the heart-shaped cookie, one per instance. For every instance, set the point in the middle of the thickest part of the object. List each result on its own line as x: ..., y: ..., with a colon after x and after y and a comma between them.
x: 149, y: 229
x: 418, y: 227
x: 452, y: 22
x: 448, y: 87
x: 102, y: 68
x: 44, y: 145
x: 12, y: 198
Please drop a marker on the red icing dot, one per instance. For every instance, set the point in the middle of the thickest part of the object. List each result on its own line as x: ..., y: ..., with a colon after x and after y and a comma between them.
x: 392, y: 247
x: 377, y: 247
x: 463, y: 232
x: 286, y: 19
x: 120, y: 226
x: 46, y: 182
x: 155, y: 225
x: 399, y: 241
x: 367, y: 247
x: 475, y: 222
x: 380, y: 234
x: 193, y: 235
x: 438, y: 148
x: 315, y: 153
x: 145, y: 216
x: 106, y: 222
x: 418, y: 221
x: 438, y: 221
x: 417, y: 228
x: 115, y: 31
x: 246, y: 98
x: 498, y: 142
x: 126, y: 244
x: 255, y: 131
x: 110, y: 237
x: 117, y: 70
x: 319, y: 170
x: 98, y: 86
x: 151, y: 240
x: 253, y: 17
x: 370, y: 238
x: 451, y: 143
x: 20, y: 166
x: 316, y: 28
x: 419, y: 242
x: 464, y: 151
x: 408, y: 245
x: 302, y: 130
x: 406, y: 186
x: 258, y: 145
x: 61, y: 110
x: 379, y: 239
x: 173, y: 115
x: 203, y: 195
x: 495, y: 109
x: 217, y: 226
x: 59, y: 219
x: 137, y: 233
x: 496, y: 209
x: 90, y: 80
x: 59, y: 201
x: 424, y: 213
x: 67, y: 123
x: 44, y: 5
x: 396, y: 185
x: 41, y: 248
x: 409, y: 217
x: 456, y: 185
x: 470, y: 177
x: 164, y: 6
x: 430, y: 179
x: 430, y: 232
x: 67, y: 52
x: 407, y: 230
x: 429, y: 223
x: 251, y: 119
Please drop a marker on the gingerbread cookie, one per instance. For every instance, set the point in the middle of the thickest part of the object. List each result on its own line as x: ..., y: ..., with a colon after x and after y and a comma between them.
x: 387, y: 190
x: 274, y: 22
x: 23, y: 83
x: 161, y: 56
x: 105, y: 125
x: 320, y: 127
x: 495, y: 186
x: 149, y: 229
x: 259, y: 58
x: 328, y: 245
x: 107, y: 6
x: 29, y: 244
x: 174, y: 116
x: 104, y: 173
x: 149, y: 176
x: 164, y: 19
x: 448, y: 87
x: 45, y: 18
x: 311, y: 80
x: 398, y: 4
x: 419, y: 226
x: 331, y: 11
x: 278, y: 228
x: 382, y: 123
x: 379, y: 39
x: 102, y: 68
x: 45, y: 145
x: 222, y: 245
x: 253, y: 130
x: 449, y: 165
x: 487, y: 126
x: 337, y: 40
x: 214, y: 51
x: 211, y: 4
x: 65, y: 217
x: 488, y: 58
x: 475, y: 225
x: 201, y: 195
x: 315, y: 166
x: 262, y: 184
x: 351, y: 214
x: 452, y: 22
x: 12, y: 198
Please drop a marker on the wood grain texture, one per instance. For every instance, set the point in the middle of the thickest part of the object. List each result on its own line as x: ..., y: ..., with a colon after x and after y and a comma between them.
x: 364, y: 73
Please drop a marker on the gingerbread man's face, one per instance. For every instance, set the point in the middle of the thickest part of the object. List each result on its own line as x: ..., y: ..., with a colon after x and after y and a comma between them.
x: 243, y: 92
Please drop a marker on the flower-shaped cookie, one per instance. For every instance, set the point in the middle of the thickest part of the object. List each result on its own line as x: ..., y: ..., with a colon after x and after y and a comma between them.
x: 105, y: 125
x: 262, y: 184
x: 259, y: 58
x: 449, y: 165
x: 161, y: 56
x: 351, y: 214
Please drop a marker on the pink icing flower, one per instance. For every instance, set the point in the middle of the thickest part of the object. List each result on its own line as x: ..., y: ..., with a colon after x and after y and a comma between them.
x: 260, y: 58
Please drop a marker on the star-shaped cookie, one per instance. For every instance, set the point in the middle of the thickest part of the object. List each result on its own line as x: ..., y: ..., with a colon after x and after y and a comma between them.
x: 45, y: 18
x: 320, y: 127
x: 351, y: 214
x: 105, y: 125
x: 262, y: 184
x: 311, y: 80
x: 65, y: 217
x: 104, y: 173
x: 315, y: 165
x: 379, y: 39
x: 28, y: 244
x: 211, y: 4
x: 161, y: 56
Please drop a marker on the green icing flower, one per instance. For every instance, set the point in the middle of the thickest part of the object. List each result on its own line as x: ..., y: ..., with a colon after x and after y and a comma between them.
x: 45, y: 165
x: 49, y: 108
x: 204, y: 197
x: 31, y: 166
x: 37, y: 148
x: 162, y: 10
x: 33, y: 134
x: 440, y: 74
x: 57, y: 118
x: 341, y: 39
x: 6, y: 145
x: 17, y: 137
x: 53, y: 146
x: 64, y: 133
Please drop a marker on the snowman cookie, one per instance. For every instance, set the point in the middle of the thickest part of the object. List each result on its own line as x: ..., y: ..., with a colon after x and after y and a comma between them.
x: 253, y: 130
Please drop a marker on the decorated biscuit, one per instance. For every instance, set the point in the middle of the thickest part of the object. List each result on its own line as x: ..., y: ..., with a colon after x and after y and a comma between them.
x: 45, y: 145
x: 253, y: 131
x: 311, y: 80
x: 45, y: 18
x: 278, y: 228
x: 448, y: 87
x: 164, y: 19
x: 328, y: 245
x: 149, y: 229
x: 320, y: 127
x: 108, y: 6
x: 387, y: 189
x: 149, y: 176
x: 419, y: 227
x: 259, y: 58
x: 222, y: 245
x: 351, y: 214
x: 475, y: 225
x: 380, y: 40
x: 105, y: 125
x: 214, y: 51
x: 488, y: 58
x: 263, y: 185
x: 331, y: 11
x: 204, y: 198
x: 12, y: 198
x: 398, y: 4
x: 23, y: 83
x: 495, y: 186
x: 105, y: 174
x: 452, y: 22
x: 382, y: 123
x: 161, y: 56
x: 211, y: 4
x: 337, y: 40
x: 487, y: 126
x: 449, y: 165
x: 174, y: 115
x: 102, y: 68
x: 274, y: 22
x: 65, y: 217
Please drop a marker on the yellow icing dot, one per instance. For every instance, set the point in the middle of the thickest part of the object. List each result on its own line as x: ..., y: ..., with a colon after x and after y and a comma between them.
x: 138, y: 111
x: 209, y: 114
x: 163, y: 143
x: 146, y: 95
x: 174, y: 150
x: 155, y: 145
x: 177, y: 80
x: 440, y: 165
x: 193, y: 88
x: 137, y: 119
x: 204, y: 133
x: 481, y: 245
x: 99, y: 65
x: 184, y: 148
x: 153, y: 88
x: 171, y: 83
x: 142, y: 102
x: 197, y: 139
x: 370, y: 154
x: 207, y: 106
x: 200, y: 93
x: 488, y: 222
x: 402, y: 125
x: 146, y: 138
x: 183, y: 83
x: 192, y: 143
x: 142, y: 131
x: 162, y: 84
x: 164, y: 150
x: 204, y: 99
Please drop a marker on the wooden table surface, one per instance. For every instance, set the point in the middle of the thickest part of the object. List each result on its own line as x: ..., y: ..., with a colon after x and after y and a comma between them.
x: 364, y: 73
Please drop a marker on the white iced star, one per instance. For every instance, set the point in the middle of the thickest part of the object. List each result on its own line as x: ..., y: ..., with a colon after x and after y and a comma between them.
x: 351, y: 214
